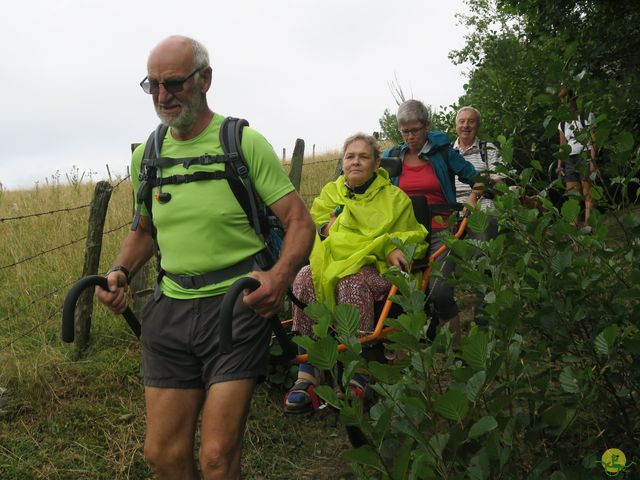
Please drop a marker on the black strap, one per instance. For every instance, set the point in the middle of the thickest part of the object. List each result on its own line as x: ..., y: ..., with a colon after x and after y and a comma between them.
x: 242, y: 188
x: 483, y: 152
x: 563, y: 124
x: 148, y: 173
x: 188, y: 178
x: 216, y: 276
x: 162, y: 162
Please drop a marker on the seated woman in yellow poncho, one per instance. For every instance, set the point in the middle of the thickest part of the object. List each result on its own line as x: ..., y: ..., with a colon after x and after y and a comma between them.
x: 357, y: 216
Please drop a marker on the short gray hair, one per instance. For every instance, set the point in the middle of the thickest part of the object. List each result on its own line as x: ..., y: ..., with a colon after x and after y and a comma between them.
x: 370, y: 139
x: 472, y: 109
x: 412, y: 111
x: 200, y: 54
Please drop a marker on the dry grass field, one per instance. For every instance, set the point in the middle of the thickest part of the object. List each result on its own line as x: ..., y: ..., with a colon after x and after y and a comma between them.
x: 63, y: 417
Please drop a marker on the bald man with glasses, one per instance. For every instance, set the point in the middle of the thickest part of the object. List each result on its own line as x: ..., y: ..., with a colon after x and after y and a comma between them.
x: 201, y: 228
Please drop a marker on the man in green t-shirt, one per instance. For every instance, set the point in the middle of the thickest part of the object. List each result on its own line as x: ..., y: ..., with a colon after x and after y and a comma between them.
x: 201, y: 228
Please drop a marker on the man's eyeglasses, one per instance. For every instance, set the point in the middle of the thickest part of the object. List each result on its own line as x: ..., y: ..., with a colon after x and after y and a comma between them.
x: 410, y: 131
x: 171, y: 86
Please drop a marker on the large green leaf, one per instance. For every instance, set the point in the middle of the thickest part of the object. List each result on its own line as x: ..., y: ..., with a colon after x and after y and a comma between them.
x: 401, y: 459
x: 323, y: 353
x: 364, y: 455
x: 606, y: 339
x: 385, y: 373
x: 410, y: 322
x: 347, y: 320
x: 322, y: 317
x: 570, y: 210
x: 438, y: 443
x: 423, y: 467
x: 482, y: 426
x: 328, y: 394
x: 452, y: 405
x: 382, y: 415
x: 558, y: 416
x: 568, y: 381
x: 351, y: 414
x: 561, y: 262
x: 479, y: 467
x: 474, y: 350
x: 474, y: 384
x: 478, y: 221
x: 625, y: 141
x: 558, y: 475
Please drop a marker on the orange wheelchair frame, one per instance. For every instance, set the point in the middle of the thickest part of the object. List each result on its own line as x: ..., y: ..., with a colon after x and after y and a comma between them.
x: 289, y: 348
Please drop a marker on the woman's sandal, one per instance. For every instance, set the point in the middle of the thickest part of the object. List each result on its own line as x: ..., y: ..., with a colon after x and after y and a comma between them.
x: 301, y: 398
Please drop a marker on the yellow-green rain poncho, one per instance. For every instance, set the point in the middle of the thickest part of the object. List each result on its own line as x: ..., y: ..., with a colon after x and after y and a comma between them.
x: 362, y: 233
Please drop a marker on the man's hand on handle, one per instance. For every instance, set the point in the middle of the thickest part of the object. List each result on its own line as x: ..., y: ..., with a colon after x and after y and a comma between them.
x: 117, y: 298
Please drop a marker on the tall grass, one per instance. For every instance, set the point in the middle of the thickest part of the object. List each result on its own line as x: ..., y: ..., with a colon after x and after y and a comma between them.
x: 62, y: 418
x: 316, y: 173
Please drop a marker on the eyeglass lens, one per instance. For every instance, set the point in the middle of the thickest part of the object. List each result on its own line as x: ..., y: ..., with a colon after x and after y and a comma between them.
x: 410, y: 131
x: 171, y: 86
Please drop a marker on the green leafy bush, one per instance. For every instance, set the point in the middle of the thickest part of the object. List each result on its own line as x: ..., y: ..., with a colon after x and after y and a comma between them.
x: 541, y: 391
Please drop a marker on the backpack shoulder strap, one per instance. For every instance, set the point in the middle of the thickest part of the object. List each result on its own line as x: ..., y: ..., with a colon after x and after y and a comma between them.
x: 483, y: 152
x: 239, y: 180
x: 148, y: 172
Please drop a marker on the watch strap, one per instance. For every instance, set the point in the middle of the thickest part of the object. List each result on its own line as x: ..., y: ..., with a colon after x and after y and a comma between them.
x: 119, y: 268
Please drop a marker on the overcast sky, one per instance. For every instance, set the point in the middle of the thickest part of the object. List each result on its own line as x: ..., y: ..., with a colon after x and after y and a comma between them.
x: 313, y: 69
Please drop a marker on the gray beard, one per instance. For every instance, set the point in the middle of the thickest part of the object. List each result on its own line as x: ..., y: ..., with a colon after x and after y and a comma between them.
x: 186, y: 119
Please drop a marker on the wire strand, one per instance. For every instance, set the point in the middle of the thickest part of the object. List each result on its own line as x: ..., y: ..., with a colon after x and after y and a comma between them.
x: 14, y: 264
x: 50, y: 212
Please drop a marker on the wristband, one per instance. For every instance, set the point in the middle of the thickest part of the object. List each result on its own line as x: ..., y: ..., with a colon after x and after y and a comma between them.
x: 119, y: 268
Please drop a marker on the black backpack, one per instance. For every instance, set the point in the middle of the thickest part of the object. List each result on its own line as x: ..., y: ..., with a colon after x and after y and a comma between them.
x: 236, y: 172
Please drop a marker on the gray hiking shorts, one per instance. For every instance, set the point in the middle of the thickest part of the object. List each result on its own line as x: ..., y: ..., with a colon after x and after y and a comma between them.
x: 180, y: 340
x: 573, y: 168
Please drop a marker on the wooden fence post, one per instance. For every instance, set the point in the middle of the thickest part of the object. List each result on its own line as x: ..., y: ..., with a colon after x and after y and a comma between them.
x: 284, y: 154
x: 338, y: 170
x: 295, y: 173
x: 97, y: 215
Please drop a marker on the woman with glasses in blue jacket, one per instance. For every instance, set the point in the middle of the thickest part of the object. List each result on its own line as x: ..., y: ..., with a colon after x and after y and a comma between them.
x: 429, y: 167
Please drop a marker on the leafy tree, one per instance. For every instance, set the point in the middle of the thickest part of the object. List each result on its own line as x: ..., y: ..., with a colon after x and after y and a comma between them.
x: 389, y: 128
x: 522, y: 51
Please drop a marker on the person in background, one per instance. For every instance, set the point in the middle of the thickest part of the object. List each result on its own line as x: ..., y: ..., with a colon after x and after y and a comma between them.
x: 357, y: 217
x: 202, y: 231
x: 484, y: 157
x: 575, y: 171
x: 429, y: 167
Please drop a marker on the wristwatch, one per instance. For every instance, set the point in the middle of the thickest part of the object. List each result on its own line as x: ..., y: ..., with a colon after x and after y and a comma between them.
x: 119, y: 268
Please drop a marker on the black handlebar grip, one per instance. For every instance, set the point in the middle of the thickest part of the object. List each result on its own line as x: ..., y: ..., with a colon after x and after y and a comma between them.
x: 226, y: 310
x: 69, y: 307
x: 226, y: 318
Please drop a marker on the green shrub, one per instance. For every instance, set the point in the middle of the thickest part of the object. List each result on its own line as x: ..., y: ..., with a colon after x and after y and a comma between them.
x: 541, y: 391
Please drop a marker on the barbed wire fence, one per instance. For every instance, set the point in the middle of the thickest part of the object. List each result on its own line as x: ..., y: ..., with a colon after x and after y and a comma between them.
x: 307, y: 197
x: 63, y: 287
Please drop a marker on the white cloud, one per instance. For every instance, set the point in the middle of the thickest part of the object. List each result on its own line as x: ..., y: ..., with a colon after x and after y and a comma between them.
x: 317, y: 70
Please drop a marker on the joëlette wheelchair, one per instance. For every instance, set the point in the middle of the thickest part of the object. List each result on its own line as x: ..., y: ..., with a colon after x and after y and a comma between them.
x: 423, y: 212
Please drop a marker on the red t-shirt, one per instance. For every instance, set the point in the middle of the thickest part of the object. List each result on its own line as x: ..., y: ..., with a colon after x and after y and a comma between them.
x: 422, y: 180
